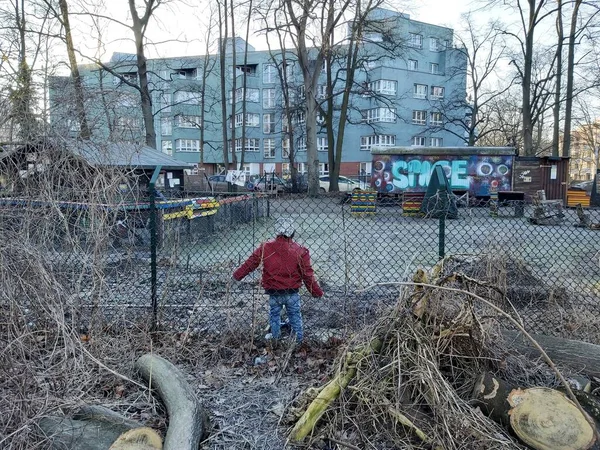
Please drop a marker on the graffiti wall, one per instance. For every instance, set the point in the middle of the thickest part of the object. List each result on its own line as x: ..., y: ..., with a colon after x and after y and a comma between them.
x: 477, y: 174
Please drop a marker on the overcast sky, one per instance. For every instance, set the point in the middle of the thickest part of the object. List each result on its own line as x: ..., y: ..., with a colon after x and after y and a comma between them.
x: 181, y: 23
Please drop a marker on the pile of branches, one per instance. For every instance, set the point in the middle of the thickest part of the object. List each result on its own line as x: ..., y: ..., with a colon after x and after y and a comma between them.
x: 409, y: 380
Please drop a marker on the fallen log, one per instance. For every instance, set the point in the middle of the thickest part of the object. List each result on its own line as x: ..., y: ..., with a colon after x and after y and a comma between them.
x: 578, y: 355
x: 331, y: 391
x: 101, y: 414
x: 490, y: 394
x: 95, y: 434
x: 188, y: 420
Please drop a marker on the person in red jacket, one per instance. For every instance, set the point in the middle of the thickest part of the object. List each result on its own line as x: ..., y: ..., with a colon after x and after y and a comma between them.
x: 285, y: 266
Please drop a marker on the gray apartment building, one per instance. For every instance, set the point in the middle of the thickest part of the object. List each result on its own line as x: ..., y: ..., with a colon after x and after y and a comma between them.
x: 402, y: 97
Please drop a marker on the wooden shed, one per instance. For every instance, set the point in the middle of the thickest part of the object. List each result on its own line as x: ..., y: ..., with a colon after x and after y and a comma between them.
x: 550, y: 174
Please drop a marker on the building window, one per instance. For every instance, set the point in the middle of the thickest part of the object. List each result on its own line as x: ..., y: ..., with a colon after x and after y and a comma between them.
x: 184, y: 74
x: 268, y: 98
x: 419, y: 117
x: 301, y: 92
x: 165, y: 101
x: 166, y: 126
x: 249, y: 145
x: 322, y: 145
x: 436, y: 119
x: 289, y: 70
x: 187, y: 97
x: 381, y: 140
x: 435, y: 44
x: 269, y: 73
x: 300, y: 117
x: 130, y: 77
x: 301, y: 144
x: 249, y: 70
x: 434, y: 68
x: 323, y: 169
x: 285, y: 124
x: 437, y: 92
x: 365, y: 168
x: 187, y: 145
x: 127, y: 123
x: 269, y: 147
x: 413, y: 64
x: 269, y: 123
x: 418, y: 141
x: 167, y: 147
x: 321, y: 91
x: 420, y: 91
x: 285, y: 148
x: 415, y: 40
x: 385, y: 87
x: 436, y: 142
x: 251, y: 95
x: 252, y: 120
x: 189, y: 121
x: 379, y: 115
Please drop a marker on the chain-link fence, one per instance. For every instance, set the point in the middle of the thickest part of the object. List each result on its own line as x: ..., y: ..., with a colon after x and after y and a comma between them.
x: 546, y: 264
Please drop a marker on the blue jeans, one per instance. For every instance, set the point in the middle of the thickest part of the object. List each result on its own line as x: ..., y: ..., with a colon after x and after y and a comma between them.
x: 292, y: 307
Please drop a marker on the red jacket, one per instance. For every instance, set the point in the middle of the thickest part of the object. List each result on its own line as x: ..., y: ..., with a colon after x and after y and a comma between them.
x: 286, y: 265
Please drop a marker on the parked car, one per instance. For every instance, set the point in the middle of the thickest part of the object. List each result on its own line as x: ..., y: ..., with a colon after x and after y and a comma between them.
x: 345, y: 184
x: 583, y: 186
x: 268, y: 183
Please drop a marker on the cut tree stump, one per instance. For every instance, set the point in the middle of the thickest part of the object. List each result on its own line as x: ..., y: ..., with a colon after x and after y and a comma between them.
x: 577, y: 355
x: 138, y: 439
x: 188, y: 420
x: 543, y: 418
x: 546, y: 419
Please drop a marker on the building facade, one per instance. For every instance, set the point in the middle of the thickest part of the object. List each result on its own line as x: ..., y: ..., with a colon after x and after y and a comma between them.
x: 585, y: 146
x: 396, y: 100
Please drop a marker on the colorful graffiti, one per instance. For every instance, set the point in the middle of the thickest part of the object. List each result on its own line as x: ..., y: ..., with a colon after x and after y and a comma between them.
x: 478, y: 174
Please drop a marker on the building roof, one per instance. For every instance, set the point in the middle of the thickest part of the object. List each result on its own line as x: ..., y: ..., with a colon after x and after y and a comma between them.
x: 418, y: 150
x: 125, y: 154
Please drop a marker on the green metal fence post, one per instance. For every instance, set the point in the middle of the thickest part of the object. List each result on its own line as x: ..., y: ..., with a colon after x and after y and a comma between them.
x: 442, y: 236
x: 153, y: 245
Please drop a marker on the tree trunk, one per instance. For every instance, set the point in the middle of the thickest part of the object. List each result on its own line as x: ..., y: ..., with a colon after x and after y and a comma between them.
x: 188, y: 421
x: 84, y: 130
x: 491, y: 395
x: 139, y: 27
x: 577, y: 355
x: 232, y: 187
x: 570, y: 69
x: 223, y: 66
x: 557, y: 102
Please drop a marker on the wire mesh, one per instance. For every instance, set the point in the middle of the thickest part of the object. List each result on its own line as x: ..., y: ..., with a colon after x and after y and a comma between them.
x: 551, y: 260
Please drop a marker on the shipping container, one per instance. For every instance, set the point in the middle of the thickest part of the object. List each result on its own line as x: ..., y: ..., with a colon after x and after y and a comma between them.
x: 476, y: 170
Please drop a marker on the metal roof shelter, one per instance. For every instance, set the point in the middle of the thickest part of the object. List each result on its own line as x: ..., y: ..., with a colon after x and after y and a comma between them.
x: 126, y: 155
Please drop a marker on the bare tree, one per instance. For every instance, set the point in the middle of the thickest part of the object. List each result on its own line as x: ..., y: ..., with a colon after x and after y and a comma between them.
x: 480, y: 51
x: 311, y: 48
x: 84, y: 129
x: 531, y: 15
x: 139, y: 27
